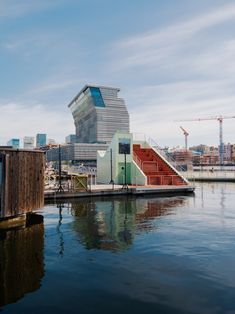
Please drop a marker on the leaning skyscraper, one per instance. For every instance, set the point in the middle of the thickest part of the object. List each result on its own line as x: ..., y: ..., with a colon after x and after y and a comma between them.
x: 98, y: 113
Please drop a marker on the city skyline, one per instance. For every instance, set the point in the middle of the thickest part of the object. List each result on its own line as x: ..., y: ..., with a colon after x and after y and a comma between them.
x: 171, y: 61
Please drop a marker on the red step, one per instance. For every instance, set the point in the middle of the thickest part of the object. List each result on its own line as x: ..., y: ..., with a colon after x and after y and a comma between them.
x: 158, y: 172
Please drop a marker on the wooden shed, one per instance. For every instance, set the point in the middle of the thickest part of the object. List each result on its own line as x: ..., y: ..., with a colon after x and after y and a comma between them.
x: 21, y: 181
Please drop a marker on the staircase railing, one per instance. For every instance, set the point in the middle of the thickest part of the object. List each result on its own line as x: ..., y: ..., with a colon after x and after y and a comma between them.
x: 159, y: 150
x: 137, y: 160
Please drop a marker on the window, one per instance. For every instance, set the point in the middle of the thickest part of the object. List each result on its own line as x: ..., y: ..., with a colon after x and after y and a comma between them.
x: 97, y: 97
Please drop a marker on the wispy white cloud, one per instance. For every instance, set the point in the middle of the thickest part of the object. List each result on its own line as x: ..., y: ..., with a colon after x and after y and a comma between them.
x: 184, y: 70
x: 183, y: 29
x: 14, y: 8
x: 53, y: 86
x: 217, y: 60
x: 34, y: 40
x: 156, y: 107
x: 55, y: 53
x: 18, y: 120
x: 156, y: 46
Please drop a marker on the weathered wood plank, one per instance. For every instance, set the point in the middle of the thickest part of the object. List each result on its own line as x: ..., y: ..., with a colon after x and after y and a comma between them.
x: 23, y: 186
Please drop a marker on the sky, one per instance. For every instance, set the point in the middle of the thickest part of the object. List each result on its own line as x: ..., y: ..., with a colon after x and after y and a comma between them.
x: 173, y: 60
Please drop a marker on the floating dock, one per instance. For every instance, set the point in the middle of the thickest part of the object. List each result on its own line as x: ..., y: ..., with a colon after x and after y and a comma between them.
x: 109, y: 190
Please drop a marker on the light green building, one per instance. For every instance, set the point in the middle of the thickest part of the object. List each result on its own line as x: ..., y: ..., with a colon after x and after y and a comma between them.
x: 116, y: 163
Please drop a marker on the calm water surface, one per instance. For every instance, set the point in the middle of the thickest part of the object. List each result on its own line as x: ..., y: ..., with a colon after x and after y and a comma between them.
x: 124, y: 255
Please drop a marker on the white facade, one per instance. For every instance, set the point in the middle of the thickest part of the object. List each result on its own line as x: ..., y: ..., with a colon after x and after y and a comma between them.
x: 228, y: 148
x: 51, y: 141
x: 28, y: 142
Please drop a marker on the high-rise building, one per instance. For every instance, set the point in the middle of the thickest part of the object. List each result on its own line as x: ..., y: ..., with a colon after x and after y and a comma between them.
x: 28, y: 142
x: 71, y: 138
x: 98, y: 113
x: 14, y: 142
x: 41, y: 140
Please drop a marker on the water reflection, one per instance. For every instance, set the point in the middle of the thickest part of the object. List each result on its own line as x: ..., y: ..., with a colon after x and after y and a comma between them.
x: 219, y: 190
x: 59, y: 232
x: 21, y: 260
x: 170, y: 256
x: 110, y: 224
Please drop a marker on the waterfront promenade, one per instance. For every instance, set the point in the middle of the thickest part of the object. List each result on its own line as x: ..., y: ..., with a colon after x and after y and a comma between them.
x: 210, y: 175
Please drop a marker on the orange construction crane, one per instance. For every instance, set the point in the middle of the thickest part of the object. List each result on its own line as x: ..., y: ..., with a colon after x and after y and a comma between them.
x: 186, y: 134
x: 221, y: 143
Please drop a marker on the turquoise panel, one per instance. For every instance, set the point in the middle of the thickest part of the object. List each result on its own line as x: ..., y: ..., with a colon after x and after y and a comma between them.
x: 97, y: 97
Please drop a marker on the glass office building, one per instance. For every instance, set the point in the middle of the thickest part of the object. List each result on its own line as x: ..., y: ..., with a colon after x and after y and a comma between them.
x: 70, y: 139
x: 14, y: 142
x: 98, y: 113
x: 41, y: 140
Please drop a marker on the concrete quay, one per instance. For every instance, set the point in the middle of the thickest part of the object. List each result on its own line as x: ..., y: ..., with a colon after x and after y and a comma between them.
x: 210, y: 176
x: 109, y: 190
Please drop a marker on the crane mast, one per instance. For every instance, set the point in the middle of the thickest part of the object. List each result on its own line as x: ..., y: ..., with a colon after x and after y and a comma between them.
x: 221, y: 143
x: 186, y: 134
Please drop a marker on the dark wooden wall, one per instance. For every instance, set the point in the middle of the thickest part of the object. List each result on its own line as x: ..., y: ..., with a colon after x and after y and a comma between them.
x: 22, y: 188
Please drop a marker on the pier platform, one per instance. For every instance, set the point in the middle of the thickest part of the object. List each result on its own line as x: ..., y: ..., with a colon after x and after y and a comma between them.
x: 106, y: 190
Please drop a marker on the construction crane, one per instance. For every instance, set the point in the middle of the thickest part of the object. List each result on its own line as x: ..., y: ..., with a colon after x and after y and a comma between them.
x: 186, y: 134
x: 221, y: 143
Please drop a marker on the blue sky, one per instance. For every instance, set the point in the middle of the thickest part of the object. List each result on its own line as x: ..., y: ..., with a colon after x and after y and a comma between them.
x: 171, y: 59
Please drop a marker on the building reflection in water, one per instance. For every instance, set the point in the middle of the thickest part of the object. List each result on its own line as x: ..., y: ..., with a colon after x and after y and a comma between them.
x: 112, y: 224
x: 60, y: 206
x: 21, y: 260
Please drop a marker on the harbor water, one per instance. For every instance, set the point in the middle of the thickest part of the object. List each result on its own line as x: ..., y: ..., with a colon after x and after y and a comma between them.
x: 124, y: 255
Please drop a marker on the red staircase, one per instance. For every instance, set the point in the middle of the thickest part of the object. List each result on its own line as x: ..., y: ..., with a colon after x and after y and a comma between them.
x: 157, y: 171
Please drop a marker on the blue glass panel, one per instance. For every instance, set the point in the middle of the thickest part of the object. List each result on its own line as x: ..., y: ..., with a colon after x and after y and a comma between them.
x: 97, y: 97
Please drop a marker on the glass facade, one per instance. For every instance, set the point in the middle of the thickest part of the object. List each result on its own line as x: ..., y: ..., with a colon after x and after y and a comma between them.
x: 41, y: 140
x: 14, y: 142
x: 70, y: 139
x: 85, y: 120
x: 98, y: 113
x: 97, y: 97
